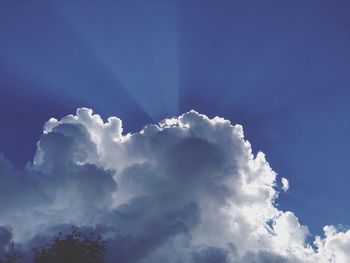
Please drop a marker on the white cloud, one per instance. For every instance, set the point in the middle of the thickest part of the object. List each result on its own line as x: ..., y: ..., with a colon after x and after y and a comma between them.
x: 186, y: 190
x: 285, y: 184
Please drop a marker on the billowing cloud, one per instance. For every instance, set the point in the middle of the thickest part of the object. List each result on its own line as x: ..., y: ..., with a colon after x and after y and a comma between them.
x: 188, y: 189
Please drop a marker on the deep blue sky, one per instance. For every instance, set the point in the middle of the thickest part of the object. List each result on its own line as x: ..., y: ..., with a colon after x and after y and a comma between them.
x: 280, y: 68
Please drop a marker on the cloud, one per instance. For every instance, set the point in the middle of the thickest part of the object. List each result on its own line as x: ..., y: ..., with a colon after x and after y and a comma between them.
x: 188, y: 189
x: 285, y: 184
x: 5, y: 238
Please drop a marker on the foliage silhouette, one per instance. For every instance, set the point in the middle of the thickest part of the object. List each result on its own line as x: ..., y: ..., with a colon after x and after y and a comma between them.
x: 72, y: 248
x: 11, y: 256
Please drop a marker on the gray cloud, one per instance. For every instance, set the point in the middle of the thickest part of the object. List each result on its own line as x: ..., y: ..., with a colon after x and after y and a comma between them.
x: 5, y: 238
x: 210, y: 255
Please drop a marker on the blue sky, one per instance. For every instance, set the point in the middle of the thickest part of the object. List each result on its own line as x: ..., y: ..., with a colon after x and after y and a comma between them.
x: 279, y: 69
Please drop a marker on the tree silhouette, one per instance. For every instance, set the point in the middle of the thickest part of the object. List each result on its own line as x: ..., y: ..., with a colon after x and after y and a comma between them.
x: 72, y: 248
x: 11, y: 256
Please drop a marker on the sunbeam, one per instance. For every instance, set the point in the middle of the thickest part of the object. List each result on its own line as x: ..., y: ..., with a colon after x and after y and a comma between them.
x: 138, y: 45
x: 281, y: 70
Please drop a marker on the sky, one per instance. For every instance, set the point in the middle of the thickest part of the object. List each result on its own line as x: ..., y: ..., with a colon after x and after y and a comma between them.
x: 281, y: 70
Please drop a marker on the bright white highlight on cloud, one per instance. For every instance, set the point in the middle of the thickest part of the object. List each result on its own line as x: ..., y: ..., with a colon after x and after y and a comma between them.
x: 285, y: 184
x: 186, y: 190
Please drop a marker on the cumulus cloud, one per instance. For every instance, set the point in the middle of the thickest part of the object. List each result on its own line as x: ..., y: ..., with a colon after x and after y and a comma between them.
x: 188, y: 189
